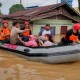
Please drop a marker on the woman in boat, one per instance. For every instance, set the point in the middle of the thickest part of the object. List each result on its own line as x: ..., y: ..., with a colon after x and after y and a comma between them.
x: 31, y: 43
x: 25, y: 35
x: 46, y: 30
x: 72, y: 35
x: 48, y: 41
x: 15, y: 33
x: 5, y: 32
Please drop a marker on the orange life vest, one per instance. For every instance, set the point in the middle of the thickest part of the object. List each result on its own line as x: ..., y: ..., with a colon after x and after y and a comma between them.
x: 0, y: 30
x: 27, y: 33
x: 1, y: 36
x: 73, y: 38
x: 6, y: 31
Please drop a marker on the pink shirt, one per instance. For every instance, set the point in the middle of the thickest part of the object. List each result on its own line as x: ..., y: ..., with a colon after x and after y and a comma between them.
x: 31, y: 43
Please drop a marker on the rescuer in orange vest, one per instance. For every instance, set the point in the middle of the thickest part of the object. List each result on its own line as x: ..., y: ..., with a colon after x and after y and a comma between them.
x: 5, y: 32
x: 72, y: 35
x: 25, y: 35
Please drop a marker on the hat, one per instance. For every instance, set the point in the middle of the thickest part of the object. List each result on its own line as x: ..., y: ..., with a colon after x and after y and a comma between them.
x: 4, y: 21
x: 76, y: 26
x: 26, y: 23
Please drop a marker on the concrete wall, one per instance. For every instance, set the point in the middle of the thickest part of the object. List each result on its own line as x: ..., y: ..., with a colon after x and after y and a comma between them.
x: 54, y: 23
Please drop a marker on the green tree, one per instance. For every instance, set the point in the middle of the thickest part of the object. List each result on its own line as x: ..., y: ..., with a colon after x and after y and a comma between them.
x: 16, y: 8
x: 79, y: 4
x: 0, y: 4
x: 0, y: 8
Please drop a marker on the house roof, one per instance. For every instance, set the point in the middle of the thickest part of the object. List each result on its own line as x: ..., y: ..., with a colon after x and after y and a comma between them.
x: 42, y: 12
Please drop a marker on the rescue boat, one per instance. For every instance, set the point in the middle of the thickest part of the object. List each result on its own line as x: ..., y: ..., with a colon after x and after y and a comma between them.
x: 53, y: 54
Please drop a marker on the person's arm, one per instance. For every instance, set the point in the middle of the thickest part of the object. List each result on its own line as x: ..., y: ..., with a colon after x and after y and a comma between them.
x: 40, y: 42
x: 21, y: 31
x: 8, y: 33
x: 52, y: 35
x: 40, y: 33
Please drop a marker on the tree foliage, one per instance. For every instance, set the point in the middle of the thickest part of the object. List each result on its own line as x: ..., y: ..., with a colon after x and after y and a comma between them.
x: 16, y: 8
x: 0, y: 4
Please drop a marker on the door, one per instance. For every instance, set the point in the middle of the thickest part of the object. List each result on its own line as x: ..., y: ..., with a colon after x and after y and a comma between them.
x: 63, y: 29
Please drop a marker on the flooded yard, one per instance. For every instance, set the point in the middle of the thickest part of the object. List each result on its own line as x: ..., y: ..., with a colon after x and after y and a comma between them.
x: 13, y: 67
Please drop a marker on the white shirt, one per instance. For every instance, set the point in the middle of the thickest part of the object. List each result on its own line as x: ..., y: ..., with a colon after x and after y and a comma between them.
x: 48, y: 43
x: 44, y: 33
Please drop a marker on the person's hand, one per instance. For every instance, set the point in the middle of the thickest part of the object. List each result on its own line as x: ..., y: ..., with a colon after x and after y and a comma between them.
x: 20, y: 38
x: 31, y: 28
x: 77, y: 41
x: 3, y: 35
x: 38, y: 38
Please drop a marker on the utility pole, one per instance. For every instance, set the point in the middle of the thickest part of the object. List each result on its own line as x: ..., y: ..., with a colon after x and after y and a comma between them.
x: 20, y: 1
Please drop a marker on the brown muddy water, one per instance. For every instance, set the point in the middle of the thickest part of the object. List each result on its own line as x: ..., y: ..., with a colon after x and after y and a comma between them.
x: 13, y: 67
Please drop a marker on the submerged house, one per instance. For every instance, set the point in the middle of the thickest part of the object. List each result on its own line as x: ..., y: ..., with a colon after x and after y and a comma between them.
x: 60, y: 16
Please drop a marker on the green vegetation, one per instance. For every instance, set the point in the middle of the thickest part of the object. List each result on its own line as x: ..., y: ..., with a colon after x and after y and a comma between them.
x: 16, y: 8
x: 0, y: 9
x: 0, y: 4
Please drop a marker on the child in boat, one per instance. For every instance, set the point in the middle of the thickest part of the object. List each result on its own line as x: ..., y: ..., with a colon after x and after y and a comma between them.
x: 48, y: 41
x: 31, y: 43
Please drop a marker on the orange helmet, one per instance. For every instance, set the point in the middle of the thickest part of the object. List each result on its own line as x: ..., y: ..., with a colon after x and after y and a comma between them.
x: 76, y: 26
x: 26, y: 23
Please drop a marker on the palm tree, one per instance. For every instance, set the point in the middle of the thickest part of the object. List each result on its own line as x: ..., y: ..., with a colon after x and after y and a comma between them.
x: 79, y: 4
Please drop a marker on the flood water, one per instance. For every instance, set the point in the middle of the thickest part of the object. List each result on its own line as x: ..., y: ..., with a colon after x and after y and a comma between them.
x: 14, y: 67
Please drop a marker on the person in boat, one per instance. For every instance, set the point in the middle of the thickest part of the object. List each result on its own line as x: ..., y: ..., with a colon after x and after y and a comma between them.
x: 5, y: 32
x: 72, y: 35
x: 47, y: 30
x: 25, y: 35
x: 15, y: 33
x: 48, y: 41
x: 1, y: 35
x: 31, y: 43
